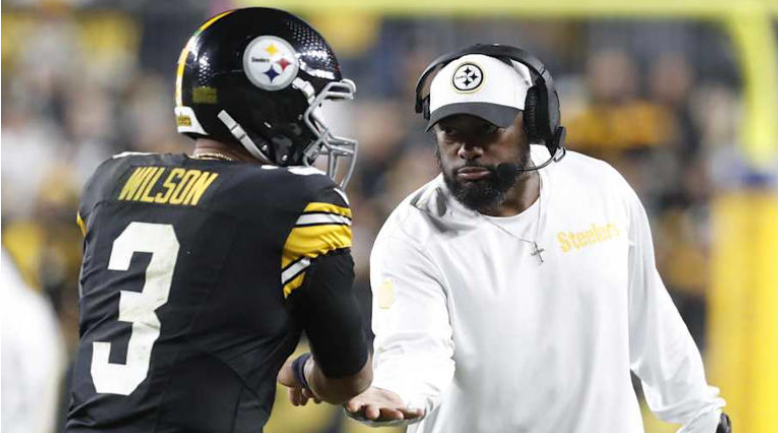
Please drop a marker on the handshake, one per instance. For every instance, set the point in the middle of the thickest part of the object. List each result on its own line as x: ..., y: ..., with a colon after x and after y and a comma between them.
x: 369, y: 405
x: 379, y: 407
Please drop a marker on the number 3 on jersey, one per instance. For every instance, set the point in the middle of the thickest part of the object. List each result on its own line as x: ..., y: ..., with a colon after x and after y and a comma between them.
x: 137, y: 308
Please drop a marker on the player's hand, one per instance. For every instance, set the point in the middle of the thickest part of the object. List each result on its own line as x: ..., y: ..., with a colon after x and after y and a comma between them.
x: 298, y: 396
x: 380, y: 405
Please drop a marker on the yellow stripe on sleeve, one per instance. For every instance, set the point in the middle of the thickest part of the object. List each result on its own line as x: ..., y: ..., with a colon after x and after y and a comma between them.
x: 312, y: 241
x: 80, y: 222
x: 295, y: 283
x: 327, y: 208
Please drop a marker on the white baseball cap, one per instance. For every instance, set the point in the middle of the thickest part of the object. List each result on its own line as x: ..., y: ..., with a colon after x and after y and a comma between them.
x: 481, y: 86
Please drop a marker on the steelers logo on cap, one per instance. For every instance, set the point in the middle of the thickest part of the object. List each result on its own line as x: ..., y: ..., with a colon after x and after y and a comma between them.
x: 468, y: 77
x: 270, y: 63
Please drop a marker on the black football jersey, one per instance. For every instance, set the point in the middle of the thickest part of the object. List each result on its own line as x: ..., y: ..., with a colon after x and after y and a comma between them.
x: 188, y: 265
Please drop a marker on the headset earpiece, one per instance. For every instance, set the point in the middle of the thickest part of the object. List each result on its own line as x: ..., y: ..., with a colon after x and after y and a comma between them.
x: 425, y: 108
x: 530, y: 114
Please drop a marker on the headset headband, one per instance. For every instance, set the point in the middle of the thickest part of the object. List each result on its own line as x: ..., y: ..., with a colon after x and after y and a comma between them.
x: 499, y: 51
x: 553, y: 133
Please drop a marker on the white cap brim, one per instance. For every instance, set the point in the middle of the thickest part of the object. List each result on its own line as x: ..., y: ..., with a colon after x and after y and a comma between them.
x: 498, y: 115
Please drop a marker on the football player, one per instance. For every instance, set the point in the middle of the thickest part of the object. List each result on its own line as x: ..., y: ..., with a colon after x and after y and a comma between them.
x: 201, y: 271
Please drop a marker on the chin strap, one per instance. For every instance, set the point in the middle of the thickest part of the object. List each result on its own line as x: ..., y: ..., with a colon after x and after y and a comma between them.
x: 243, y: 137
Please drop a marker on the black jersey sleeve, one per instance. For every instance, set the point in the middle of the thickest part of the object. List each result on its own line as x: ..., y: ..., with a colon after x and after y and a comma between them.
x: 329, y: 313
x: 318, y: 277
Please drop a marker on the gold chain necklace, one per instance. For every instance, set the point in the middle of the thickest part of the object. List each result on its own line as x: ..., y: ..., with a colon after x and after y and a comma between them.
x: 212, y: 155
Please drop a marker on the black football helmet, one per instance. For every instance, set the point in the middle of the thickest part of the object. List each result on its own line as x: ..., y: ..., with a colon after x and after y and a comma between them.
x: 258, y: 77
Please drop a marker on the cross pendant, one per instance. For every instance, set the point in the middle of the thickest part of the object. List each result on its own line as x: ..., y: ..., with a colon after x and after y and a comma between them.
x: 537, y: 251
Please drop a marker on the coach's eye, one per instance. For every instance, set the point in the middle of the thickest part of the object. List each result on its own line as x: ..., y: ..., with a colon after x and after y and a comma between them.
x: 489, y: 129
x: 447, y: 130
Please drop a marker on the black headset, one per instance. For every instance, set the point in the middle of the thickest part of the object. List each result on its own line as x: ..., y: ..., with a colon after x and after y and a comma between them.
x: 541, y: 107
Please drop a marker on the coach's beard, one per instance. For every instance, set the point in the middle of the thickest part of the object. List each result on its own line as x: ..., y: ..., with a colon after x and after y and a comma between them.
x: 489, y: 192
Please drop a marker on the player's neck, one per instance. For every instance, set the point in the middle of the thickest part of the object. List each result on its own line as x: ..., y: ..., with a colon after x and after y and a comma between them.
x: 204, y: 146
x: 519, y: 197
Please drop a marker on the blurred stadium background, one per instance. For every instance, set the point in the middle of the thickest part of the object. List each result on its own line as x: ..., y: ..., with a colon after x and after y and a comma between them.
x: 681, y: 96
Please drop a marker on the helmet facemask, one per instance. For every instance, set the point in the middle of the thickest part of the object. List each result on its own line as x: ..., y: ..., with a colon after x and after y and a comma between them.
x: 339, y: 150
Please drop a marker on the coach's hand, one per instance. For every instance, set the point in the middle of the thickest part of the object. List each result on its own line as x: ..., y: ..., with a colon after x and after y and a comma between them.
x: 378, y: 405
x: 298, y: 395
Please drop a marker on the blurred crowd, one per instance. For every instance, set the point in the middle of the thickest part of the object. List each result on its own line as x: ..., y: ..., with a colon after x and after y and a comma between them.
x: 659, y: 100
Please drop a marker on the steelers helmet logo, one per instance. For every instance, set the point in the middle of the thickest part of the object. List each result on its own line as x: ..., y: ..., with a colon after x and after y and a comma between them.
x: 270, y: 63
x: 468, y: 77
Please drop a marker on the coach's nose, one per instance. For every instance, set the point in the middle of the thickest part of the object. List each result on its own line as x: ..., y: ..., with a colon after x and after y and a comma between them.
x: 470, y: 150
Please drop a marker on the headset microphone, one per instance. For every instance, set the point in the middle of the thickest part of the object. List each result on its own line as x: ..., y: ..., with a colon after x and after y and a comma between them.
x: 507, y: 170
